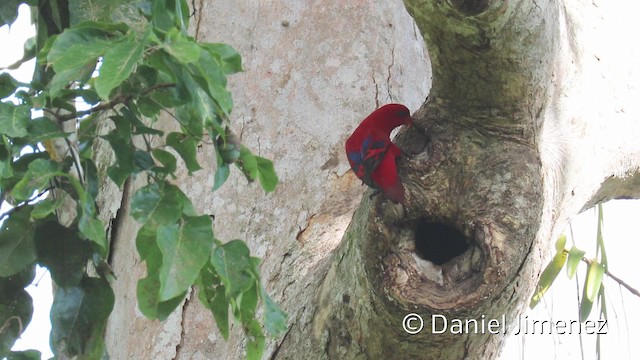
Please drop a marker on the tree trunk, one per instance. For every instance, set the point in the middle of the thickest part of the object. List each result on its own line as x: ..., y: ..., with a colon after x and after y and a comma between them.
x: 527, y: 123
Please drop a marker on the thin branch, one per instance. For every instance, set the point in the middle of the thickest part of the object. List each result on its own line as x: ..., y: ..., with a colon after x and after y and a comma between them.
x: 120, y: 99
x: 76, y: 160
x: 23, y: 204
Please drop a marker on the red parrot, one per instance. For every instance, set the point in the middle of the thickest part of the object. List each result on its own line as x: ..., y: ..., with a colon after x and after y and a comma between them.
x: 373, y: 156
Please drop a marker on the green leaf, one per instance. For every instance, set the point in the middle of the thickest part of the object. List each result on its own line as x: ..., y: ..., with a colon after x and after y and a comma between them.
x: 222, y: 173
x: 601, y: 254
x: 186, y: 247
x: 63, y: 78
x: 36, y: 179
x: 6, y: 160
x: 93, y: 230
x: 17, y: 250
x: 266, y: 174
x: 79, y: 316
x: 186, y: 147
x: 247, y: 304
x: 167, y: 160
x: 41, y: 128
x: 170, y: 14
x: 91, y: 177
x: 86, y: 133
x: 9, y: 11
x: 275, y: 320
x: 17, y: 167
x: 162, y: 205
x: 123, y: 150
x: 87, y: 95
x: 212, y: 79
x: 76, y: 48
x: 89, y: 225
x: 162, y: 16
x: 148, y: 107
x: 562, y: 240
x: 25, y: 355
x: 134, y: 122
x: 147, y: 247
x: 18, y: 281
x: 182, y: 11
x: 184, y: 49
x: 593, y: 280
x: 255, y: 340
x: 231, y: 60
x: 123, y: 127
x: 44, y: 208
x: 148, y: 300
x: 603, y: 302
x: 228, y: 147
x: 8, y: 85
x: 548, y: 276
x: 16, y: 309
x: 194, y: 107
x: 118, y: 174
x: 212, y: 296
x: 82, y: 45
x: 248, y: 163
x: 142, y: 160
x: 585, y: 307
x: 117, y: 65
x: 200, y: 111
x: 63, y: 252
x: 148, y: 289
x: 575, y: 255
x: 592, y: 287
x: 232, y: 262
x: 14, y: 119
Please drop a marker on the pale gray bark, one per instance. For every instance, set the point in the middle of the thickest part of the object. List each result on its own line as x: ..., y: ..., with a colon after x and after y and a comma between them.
x: 313, y: 71
x: 530, y: 119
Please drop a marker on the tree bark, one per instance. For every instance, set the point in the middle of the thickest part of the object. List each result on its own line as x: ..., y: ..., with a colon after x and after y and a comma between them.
x: 529, y: 120
x: 313, y: 71
x: 517, y: 136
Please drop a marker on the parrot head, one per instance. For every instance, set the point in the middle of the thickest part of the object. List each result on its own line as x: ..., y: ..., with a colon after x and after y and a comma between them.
x: 388, y: 117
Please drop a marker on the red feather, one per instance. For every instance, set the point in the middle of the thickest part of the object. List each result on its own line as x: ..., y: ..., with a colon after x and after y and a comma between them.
x: 371, y: 153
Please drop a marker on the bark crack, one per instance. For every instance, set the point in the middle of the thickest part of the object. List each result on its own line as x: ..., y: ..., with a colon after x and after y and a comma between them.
x: 393, y: 61
x: 116, y: 221
x: 182, y: 325
x: 199, y: 15
x: 302, y: 230
x: 375, y: 86
x: 274, y: 355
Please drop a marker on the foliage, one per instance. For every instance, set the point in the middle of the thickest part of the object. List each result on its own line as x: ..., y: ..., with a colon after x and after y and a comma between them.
x: 130, y: 64
x: 593, y: 287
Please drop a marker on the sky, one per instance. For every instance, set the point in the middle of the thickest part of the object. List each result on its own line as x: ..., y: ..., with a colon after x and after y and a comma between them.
x: 621, y: 235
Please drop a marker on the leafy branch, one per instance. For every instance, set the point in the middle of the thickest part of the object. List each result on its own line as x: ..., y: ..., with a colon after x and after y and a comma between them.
x: 593, y: 287
x: 129, y: 73
x: 120, y: 99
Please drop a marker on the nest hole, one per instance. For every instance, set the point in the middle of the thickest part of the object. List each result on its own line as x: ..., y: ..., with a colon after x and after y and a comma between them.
x: 438, y: 242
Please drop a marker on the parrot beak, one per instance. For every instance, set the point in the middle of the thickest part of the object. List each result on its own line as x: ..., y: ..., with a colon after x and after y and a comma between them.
x: 408, y: 122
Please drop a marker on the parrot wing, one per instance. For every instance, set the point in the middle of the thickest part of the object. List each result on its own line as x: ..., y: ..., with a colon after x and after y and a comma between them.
x: 367, y: 158
x: 386, y: 176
